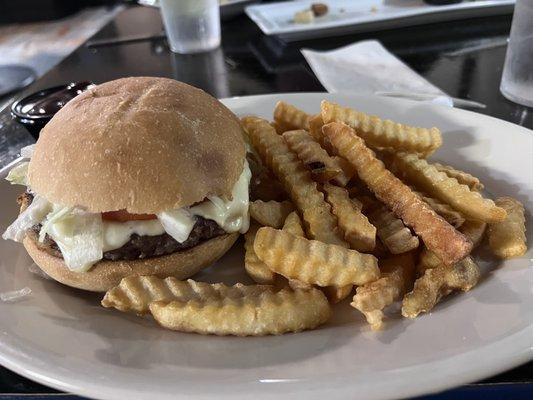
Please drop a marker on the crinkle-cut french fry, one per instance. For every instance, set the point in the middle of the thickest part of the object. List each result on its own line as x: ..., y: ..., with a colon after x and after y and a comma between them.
x: 323, y: 167
x: 270, y: 213
x: 439, y: 236
x: 288, y: 117
x: 358, y: 231
x: 313, y: 262
x: 293, y: 224
x: 255, y: 268
x: 348, y: 172
x: 337, y: 294
x: 397, y: 277
x: 396, y: 237
x: 296, y: 179
x: 379, y: 133
x: 135, y: 293
x: 296, y: 284
x: 507, y: 239
x: 473, y: 230
x: 315, y: 129
x: 279, y: 129
x: 438, y: 282
x: 258, y: 313
x: 454, y: 218
x: 427, y: 259
x: 437, y: 184
x: 464, y: 178
x: 263, y: 185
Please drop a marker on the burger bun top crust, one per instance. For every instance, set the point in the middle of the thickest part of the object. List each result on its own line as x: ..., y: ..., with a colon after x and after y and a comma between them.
x: 140, y: 144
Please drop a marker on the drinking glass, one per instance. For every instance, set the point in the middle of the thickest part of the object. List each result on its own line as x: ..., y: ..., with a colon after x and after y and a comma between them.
x: 517, y: 77
x: 192, y: 26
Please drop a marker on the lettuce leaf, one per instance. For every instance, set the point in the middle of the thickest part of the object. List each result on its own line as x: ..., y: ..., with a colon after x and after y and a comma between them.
x: 17, y: 175
x: 78, y: 234
x: 33, y: 215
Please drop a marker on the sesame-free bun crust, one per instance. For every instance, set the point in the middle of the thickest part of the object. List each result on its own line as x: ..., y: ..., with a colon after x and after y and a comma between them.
x: 106, y: 274
x: 141, y: 144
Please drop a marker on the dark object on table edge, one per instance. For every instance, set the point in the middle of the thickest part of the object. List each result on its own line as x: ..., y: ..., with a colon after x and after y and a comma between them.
x: 35, y: 110
x: 42, y: 10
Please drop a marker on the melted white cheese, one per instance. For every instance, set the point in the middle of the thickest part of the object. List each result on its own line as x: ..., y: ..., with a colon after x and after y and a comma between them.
x: 231, y: 215
x: 117, y: 234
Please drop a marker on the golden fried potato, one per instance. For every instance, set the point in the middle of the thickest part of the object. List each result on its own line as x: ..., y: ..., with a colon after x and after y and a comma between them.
x: 507, y: 239
x: 439, y: 236
x: 323, y: 167
x: 473, y: 230
x: 464, y: 178
x: 279, y: 129
x: 313, y: 262
x: 296, y: 179
x: 288, y: 117
x: 438, y: 282
x: 293, y: 225
x: 135, y: 293
x: 315, y: 128
x: 358, y: 231
x: 270, y: 213
x: 398, y: 273
x: 379, y: 133
x: 255, y: 268
x: 337, y: 294
x: 267, y: 312
x: 453, y: 217
x: 396, y: 237
x: 437, y: 184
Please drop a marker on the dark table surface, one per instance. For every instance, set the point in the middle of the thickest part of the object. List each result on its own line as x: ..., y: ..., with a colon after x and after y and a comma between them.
x: 251, y: 63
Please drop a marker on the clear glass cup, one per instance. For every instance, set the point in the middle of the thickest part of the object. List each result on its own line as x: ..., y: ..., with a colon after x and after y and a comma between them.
x: 517, y: 77
x: 192, y: 26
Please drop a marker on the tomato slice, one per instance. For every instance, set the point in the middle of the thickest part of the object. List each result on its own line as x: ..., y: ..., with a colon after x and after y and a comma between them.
x: 123, y: 216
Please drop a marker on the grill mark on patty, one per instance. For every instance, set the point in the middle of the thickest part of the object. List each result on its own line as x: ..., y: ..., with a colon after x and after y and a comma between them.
x: 137, y: 247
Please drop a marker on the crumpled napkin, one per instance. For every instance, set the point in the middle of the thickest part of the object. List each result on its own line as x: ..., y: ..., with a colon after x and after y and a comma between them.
x: 368, y: 67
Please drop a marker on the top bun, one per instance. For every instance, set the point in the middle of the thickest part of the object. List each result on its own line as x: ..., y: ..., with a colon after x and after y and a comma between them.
x: 141, y: 144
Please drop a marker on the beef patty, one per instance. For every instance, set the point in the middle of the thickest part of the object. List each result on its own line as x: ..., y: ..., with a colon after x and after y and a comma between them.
x: 138, y: 246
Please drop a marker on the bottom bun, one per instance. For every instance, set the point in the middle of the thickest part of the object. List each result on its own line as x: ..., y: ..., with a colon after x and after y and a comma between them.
x: 106, y: 274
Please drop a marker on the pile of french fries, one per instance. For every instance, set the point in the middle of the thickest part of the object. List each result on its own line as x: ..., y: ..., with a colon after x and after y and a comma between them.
x: 343, y: 203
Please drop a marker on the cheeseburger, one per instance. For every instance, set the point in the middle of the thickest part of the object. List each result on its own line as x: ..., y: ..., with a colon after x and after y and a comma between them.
x: 137, y: 176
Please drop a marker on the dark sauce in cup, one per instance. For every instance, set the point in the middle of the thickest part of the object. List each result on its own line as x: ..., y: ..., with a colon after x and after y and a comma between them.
x: 34, y: 111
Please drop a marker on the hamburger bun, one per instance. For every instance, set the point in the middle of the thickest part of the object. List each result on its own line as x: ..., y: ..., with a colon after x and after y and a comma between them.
x: 139, y: 144
x: 106, y: 274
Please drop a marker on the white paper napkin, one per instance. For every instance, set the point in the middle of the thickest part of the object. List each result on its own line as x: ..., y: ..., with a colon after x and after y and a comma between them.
x: 367, y: 67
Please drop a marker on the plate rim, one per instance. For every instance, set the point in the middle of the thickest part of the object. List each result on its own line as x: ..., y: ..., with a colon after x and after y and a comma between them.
x: 510, y: 351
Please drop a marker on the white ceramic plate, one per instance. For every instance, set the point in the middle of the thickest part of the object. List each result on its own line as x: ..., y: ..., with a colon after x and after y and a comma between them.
x: 62, y: 337
x: 349, y: 16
